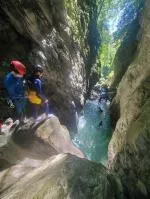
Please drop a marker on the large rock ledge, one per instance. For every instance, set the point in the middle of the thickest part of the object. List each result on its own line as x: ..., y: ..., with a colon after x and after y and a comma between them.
x: 41, y: 162
x: 36, y: 142
x: 60, y: 177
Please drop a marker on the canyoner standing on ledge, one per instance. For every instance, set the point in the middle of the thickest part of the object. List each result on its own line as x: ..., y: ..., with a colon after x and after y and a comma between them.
x: 36, y: 96
x: 14, y: 83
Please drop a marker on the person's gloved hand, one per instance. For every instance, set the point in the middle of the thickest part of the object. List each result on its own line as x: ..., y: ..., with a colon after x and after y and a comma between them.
x: 10, y: 103
x: 44, y: 101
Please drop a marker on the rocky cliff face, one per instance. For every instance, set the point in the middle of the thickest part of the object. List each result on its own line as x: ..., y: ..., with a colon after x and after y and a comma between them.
x: 52, y: 34
x: 129, y: 147
x: 126, y: 52
x: 37, y: 32
x: 83, y: 17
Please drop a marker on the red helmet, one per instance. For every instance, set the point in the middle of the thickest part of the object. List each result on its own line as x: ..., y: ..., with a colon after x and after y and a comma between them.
x: 19, y: 67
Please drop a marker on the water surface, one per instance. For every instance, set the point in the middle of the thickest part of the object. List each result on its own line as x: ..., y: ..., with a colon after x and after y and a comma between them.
x: 93, y: 138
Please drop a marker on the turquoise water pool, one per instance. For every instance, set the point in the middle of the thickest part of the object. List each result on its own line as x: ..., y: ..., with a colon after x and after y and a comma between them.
x: 93, y: 138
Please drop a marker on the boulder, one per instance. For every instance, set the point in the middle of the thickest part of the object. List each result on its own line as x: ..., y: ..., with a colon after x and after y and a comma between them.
x: 39, y: 141
x: 60, y: 177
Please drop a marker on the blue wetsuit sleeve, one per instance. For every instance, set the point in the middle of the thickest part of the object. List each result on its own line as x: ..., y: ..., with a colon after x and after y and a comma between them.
x: 6, y: 86
x: 14, y: 87
x: 38, y: 87
x: 20, y: 88
x: 9, y: 85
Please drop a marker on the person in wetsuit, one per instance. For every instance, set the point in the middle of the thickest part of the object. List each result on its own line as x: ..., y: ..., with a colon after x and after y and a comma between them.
x: 14, y: 83
x: 35, y: 92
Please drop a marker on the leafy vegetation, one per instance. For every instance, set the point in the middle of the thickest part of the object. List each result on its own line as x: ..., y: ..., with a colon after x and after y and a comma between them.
x: 114, y: 19
x: 78, y: 19
x: 99, y: 28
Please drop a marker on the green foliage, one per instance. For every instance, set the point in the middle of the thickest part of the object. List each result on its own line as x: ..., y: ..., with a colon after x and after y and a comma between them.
x: 114, y: 18
x: 107, y: 80
x: 108, y: 51
x: 78, y: 19
x: 82, y: 19
x: 111, y: 18
x: 108, y: 46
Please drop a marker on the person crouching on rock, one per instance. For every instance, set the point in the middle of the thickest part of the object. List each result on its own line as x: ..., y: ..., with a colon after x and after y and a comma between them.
x: 14, y: 83
x: 35, y: 93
